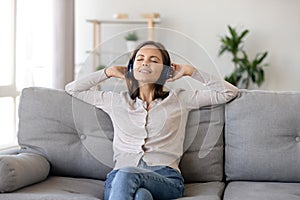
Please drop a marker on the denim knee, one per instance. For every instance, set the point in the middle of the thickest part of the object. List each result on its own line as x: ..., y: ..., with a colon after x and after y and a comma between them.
x: 143, y: 194
x: 127, y: 175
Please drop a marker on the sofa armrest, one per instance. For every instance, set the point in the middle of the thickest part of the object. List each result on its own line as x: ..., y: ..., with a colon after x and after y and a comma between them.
x: 10, y: 150
x: 17, y: 171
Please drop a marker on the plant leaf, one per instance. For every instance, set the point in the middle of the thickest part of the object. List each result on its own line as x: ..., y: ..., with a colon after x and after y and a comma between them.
x: 244, y: 33
x: 260, y: 57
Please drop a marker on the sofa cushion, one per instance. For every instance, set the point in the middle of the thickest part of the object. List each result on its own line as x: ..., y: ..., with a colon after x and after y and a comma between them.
x: 76, y: 137
x: 17, y: 171
x: 66, y: 188
x: 10, y: 151
x: 62, y: 188
x: 55, y: 125
x: 203, y: 157
x: 238, y: 190
x: 203, y: 191
x: 262, y: 136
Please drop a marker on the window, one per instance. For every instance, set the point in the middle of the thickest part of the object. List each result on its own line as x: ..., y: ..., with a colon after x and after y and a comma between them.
x: 6, y: 41
x: 7, y: 118
x: 34, y: 43
x: 26, y: 56
x: 8, y: 91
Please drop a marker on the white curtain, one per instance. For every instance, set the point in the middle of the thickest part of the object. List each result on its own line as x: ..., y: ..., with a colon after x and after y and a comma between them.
x: 63, y: 49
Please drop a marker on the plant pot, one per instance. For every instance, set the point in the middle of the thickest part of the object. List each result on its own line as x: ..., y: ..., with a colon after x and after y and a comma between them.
x: 131, y: 45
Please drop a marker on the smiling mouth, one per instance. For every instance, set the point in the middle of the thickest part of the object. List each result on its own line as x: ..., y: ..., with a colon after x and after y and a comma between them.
x: 145, y: 71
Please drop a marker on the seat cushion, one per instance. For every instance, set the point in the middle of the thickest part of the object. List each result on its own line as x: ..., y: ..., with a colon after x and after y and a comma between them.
x: 204, y: 191
x: 238, y: 190
x: 62, y: 188
x: 66, y: 188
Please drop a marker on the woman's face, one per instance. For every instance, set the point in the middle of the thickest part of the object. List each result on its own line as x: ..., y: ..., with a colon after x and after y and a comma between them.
x: 148, y: 64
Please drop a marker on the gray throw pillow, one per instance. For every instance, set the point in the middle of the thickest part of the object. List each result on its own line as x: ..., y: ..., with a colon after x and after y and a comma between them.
x: 17, y: 171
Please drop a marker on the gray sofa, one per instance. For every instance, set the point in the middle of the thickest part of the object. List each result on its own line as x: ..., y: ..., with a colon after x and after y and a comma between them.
x: 246, y: 149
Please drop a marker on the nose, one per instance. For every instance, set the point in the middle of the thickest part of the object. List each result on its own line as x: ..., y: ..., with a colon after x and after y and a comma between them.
x: 145, y: 64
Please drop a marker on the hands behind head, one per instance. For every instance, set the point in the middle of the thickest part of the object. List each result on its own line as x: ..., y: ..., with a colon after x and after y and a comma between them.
x: 116, y: 71
x: 179, y: 70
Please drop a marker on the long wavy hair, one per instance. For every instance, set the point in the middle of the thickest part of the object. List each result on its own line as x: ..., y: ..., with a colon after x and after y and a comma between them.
x: 132, y: 83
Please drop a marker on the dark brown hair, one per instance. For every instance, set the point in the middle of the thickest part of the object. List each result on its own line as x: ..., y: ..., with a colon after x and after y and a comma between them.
x: 132, y: 83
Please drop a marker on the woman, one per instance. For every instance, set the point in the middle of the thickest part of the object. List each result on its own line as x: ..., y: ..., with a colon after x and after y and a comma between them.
x: 149, y: 122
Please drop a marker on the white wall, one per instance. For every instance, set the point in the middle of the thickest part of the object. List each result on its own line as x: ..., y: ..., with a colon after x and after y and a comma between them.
x: 274, y: 27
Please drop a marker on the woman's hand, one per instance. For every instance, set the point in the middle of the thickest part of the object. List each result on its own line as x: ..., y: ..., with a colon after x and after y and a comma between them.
x: 116, y: 71
x: 180, y: 70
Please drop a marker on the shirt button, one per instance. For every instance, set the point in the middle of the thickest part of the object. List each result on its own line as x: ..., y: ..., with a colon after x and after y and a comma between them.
x: 83, y: 137
x: 297, y: 139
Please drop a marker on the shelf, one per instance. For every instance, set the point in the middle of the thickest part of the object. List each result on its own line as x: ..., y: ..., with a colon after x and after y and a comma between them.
x: 124, y: 21
x: 97, y: 30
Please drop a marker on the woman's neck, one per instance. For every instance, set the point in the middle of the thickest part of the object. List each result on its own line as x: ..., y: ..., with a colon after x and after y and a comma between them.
x: 147, y: 93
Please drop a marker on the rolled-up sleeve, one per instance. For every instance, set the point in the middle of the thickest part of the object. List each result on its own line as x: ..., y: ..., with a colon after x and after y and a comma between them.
x: 86, y: 89
x: 218, y: 91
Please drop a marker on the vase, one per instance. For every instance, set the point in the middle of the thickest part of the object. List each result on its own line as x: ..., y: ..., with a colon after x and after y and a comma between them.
x: 131, y: 45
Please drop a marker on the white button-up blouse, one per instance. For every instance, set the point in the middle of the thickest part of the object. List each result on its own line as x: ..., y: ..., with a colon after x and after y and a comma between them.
x: 156, y: 135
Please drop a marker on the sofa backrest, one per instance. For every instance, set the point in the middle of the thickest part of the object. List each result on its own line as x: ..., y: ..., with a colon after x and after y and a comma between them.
x: 203, y: 159
x: 262, y: 136
x: 76, y: 137
x: 49, y: 126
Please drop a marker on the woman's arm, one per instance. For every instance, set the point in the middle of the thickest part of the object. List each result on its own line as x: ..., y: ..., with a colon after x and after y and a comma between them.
x: 85, y: 89
x: 218, y: 90
x: 86, y: 83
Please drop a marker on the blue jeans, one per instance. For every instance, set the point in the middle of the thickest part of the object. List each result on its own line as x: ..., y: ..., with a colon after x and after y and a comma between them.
x: 144, y: 183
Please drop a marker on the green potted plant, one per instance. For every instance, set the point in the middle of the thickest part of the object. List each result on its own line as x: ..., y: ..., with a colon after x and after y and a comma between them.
x: 99, y: 67
x: 131, y: 40
x: 246, y: 71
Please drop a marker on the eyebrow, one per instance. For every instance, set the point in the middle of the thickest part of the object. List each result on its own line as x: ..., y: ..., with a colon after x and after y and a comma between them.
x: 150, y: 56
